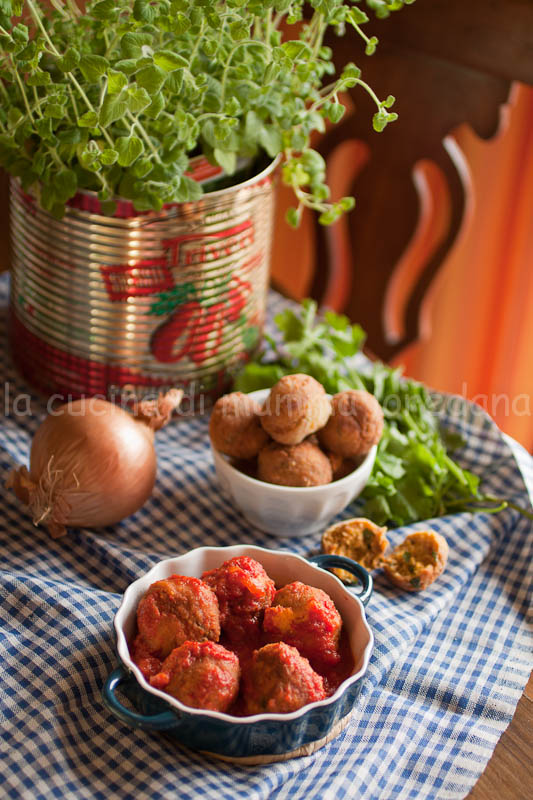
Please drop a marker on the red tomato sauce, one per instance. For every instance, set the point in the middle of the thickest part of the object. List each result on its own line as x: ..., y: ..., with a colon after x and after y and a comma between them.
x: 243, y: 634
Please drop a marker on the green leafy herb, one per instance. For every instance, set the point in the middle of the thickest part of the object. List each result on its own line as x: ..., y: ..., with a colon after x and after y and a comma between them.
x: 414, y: 475
x: 415, y: 583
x: 152, y: 83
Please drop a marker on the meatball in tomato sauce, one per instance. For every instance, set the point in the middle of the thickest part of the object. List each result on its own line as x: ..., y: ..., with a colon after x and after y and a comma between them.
x: 175, y: 610
x: 306, y: 618
x: 244, y: 591
x: 200, y: 675
x: 280, y: 680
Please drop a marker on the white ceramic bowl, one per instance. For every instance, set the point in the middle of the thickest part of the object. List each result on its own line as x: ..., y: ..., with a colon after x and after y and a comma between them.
x: 290, y: 510
x: 265, y: 735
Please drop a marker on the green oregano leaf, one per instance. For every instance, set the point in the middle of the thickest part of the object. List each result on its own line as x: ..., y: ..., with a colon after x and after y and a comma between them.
x: 113, y: 108
x: 88, y: 120
x: 65, y: 185
x: 93, y: 67
x: 54, y: 111
x: 129, y: 149
x: 116, y: 81
x: 151, y: 78
x: 127, y: 65
x: 39, y: 78
x: 169, y: 61
x: 180, y: 24
x: 371, y: 45
x: 143, y: 11
x: 142, y: 167
x: 137, y: 99
x: 109, y: 156
x: 131, y: 44
x: 105, y: 9
x: 336, y: 112
x: 20, y: 34
x: 69, y: 61
x: 357, y: 16
x: 156, y: 106
x: 226, y: 159
x: 270, y: 139
x: 44, y: 128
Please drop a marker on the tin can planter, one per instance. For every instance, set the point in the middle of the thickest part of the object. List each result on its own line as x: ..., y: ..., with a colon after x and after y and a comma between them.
x: 138, y: 302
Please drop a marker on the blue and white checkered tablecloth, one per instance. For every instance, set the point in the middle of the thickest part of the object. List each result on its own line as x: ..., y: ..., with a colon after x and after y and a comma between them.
x: 448, y: 668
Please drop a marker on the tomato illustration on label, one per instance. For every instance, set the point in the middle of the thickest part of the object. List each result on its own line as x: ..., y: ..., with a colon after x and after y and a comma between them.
x: 172, y: 340
x: 209, y: 336
x: 195, y: 330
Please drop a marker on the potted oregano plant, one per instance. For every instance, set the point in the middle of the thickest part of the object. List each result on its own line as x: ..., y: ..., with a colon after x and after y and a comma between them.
x: 115, y: 120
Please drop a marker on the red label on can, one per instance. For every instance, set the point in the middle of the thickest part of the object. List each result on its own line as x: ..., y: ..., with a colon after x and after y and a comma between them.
x: 149, y: 276
x: 137, y: 279
x: 199, y: 248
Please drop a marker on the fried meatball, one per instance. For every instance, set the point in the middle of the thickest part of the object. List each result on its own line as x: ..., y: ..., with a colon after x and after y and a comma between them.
x: 243, y: 590
x: 235, y: 426
x: 355, y: 424
x: 417, y: 561
x: 359, y: 539
x: 280, y: 680
x: 174, y: 610
x: 301, y: 464
x: 296, y: 407
x: 200, y: 675
x: 306, y: 618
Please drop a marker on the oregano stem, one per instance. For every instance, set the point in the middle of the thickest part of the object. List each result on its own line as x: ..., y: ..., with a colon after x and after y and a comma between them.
x: 76, y: 12
x: 196, y: 47
x: 36, y: 16
x: 242, y: 43
x: 4, y: 91
x: 369, y: 90
x: 74, y: 105
x: 22, y: 91
x: 59, y: 8
x: 135, y: 123
x: 37, y: 103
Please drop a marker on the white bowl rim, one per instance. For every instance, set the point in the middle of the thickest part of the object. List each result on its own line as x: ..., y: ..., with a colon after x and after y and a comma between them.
x: 124, y: 655
x: 370, y: 456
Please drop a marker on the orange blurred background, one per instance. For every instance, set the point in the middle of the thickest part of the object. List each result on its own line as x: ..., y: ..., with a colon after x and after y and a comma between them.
x: 477, y: 320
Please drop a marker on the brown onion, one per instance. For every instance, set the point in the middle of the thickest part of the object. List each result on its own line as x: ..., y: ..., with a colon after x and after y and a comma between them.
x: 92, y: 463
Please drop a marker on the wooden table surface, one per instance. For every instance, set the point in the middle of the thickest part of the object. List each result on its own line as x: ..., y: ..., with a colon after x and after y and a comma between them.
x: 509, y: 773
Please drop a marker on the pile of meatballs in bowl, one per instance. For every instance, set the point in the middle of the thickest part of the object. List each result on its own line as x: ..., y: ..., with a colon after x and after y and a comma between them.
x: 241, y: 651
x: 229, y: 641
x: 293, y: 457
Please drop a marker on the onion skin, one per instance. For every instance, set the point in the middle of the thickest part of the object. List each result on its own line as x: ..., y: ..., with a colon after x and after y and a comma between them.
x: 92, y: 463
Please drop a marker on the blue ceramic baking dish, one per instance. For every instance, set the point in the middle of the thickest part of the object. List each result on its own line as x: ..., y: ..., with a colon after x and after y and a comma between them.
x: 262, y: 737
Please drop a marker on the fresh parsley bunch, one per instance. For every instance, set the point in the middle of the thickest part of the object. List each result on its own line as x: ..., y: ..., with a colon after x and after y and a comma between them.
x: 414, y: 475
x: 116, y: 98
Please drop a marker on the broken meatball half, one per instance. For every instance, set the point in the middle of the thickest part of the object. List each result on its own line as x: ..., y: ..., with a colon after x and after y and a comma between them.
x: 417, y: 561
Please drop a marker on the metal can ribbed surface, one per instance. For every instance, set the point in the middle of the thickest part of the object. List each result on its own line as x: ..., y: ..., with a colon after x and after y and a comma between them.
x: 133, y: 303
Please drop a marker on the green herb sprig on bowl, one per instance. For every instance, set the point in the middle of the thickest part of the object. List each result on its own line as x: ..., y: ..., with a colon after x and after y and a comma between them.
x: 117, y: 97
x: 414, y: 476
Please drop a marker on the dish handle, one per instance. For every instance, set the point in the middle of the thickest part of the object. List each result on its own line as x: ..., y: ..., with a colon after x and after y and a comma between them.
x: 363, y: 576
x: 148, y: 722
